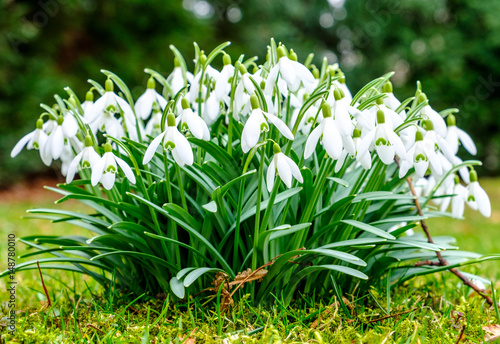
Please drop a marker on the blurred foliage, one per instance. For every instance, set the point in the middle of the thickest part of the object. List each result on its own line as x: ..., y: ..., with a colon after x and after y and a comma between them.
x: 451, y: 46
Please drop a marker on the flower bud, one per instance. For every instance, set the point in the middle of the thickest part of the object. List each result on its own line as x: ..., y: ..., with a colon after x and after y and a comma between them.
x: 457, y: 179
x: 88, y: 141
x: 226, y: 59
x: 419, y: 136
x: 356, y: 133
x: 89, y: 96
x: 422, y: 98
x: 203, y: 58
x: 108, y: 85
x: 428, y: 125
x: 39, y: 123
x: 276, y: 148
x: 254, y: 101
x: 185, y: 103
x: 171, y: 119
x: 450, y: 120
x: 72, y: 100
x: 242, y: 69
x: 281, y: 51
x: 338, y: 94
x: 315, y: 72
x: 107, y: 147
x: 60, y: 120
x: 380, y: 117
x: 387, y: 88
x: 327, y: 110
x: 473, y: 176
x: 151, y: 82
x: 293, y: 56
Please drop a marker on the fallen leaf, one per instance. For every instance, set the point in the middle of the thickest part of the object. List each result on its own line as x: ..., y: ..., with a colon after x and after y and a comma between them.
x: 493, y: 332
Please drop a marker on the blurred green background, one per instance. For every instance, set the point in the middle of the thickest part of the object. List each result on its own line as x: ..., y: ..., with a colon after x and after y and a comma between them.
x: 451, y: 46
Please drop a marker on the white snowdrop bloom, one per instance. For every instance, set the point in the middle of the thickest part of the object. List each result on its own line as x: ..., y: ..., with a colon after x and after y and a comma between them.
x: 419, y: 156
x: 341, y: 113
x: 33, y: 140
x: 390, y: 99
x: 439, y: 141
x: 258, y: 122
x: 172, y: 140
x: 104, y: 170
x: 66, y: 128
x: 243, y: 90
x: 293, y: 72
x: 148, y: 99
x: 329, y: 134
x: 308, y: 119
x: 458, y: 199
x: 286, y: 168
x: 435, y: 117
x: 87, y: 158
x: 222, y: 85
x: 66, y: 158
x: 192, y: 122
x: 154, y: 124
x: 211, y: 109
x: 477, y: 198
x: 455, y: 135
x: 176, y: 79
x: 364, y: 159
x: 87, y: 105
x: 109, y: 103
x: 345, y: 90
x: 386, y: 141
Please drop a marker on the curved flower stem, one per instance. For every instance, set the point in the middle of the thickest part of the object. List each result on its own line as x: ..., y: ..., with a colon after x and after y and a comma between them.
x: 258, y: 205
x: 181, y: 187
x: 442, y: 260
x: 267, y: 215
x: 171, y: 223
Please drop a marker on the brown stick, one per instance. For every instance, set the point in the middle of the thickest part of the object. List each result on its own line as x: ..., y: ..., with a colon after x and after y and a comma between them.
x: 442, y: 260
x: 391, y: 316
x: 43, y: 284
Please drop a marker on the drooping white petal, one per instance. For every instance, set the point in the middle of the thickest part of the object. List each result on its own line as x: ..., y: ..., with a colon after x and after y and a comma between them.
x: 97, y: 170
x: 366, y: 142
x: 458, y: 201
x: 144, y: 105
x: 396, y: 142
x: 56, y: 142
x: 482, y: 200
x: 183, y: 148
x: 340, y: 161
x: 72, y: 168
x: 271, y: 172
x: 108, y: 180
x: 150, y: 152
x: 332, y: 141
x: 271, y: 80
x: 312, y: 140
x: 294, y: 169
x: 283, y: 169
x: 421, y: 167
x: 467, y: 141
x: 126, y: 169
x: 251, y: 130
x: 20, y: 145
x: 69, y: 125
x: 281, y: 126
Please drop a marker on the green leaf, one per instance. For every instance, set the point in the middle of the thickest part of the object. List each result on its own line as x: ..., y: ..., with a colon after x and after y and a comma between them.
x: 197, y: 273
x: 368, y: 228
x: 177, y: 288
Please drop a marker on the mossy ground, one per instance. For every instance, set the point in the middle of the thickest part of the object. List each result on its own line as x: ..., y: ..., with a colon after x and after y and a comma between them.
x: 434, y: 309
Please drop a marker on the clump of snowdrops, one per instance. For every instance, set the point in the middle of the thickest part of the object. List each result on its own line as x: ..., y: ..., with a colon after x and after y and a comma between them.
x: 265, y: 178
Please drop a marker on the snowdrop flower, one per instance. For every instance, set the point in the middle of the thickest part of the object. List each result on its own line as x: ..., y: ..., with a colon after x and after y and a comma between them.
x: 66, y: 128
x: 109, y: 104
x: 293, y: 72
x: 431, y: 114
x: 286, y: 168
x: 174, y: 141
x: 390, y: 100
x: 87, y: 105
x: 477, y: 198
x: 148, y: 99
x: 455, y: 135
x: 329, y: 134
x: 363, y: 158
x: 341, y: 113
x: 340, y: 83
x: 432, y: 136
x: 257, y: 123
x: 386, y: 141
x: 33, y: 140
x: 104, y: 170
x: 192, y: 122
x: 176, y: 78
x: 87, y: 158
x: 154, y: 124
x: 419, y: 156
x: 222, y: 85
x: 458, y: 199
x: 66, y: 158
